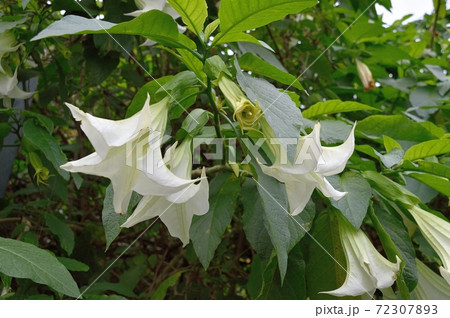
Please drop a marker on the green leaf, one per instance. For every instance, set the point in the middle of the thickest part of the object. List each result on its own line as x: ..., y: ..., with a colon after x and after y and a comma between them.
x: 437, y: 183
x: 355, y: 203
x: 400, y: 237
x: 326, y: 262
x: 279, y: 110
x: 398, y: 127
x: 390, y: 159
x: 250, y: 62
x: 206, y: 230
x: 23, y: 260
x: 73, y: 265
x: 254, y: 221
x: 390, y: 189
x: 237, y: 16
x: 193, y: 13
x: 390, y: 143
x: 427, y: 149
x: 210, y: 28
x: 192, y: 63
x: 214, y: 65
x: 112, y: 220
x: 155, y: 25
x: 285, y: 231
x: 62, y: 231
x: 264, y: 281
x: 141, y: 96
x: 161, y: 291
x: 193, y: 124
x: 429, y: 167
x: 42, y: 140
x: 334, y: 106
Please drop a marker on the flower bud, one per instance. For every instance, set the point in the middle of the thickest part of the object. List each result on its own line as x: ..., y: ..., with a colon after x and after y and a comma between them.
x: 42, y: 173
x: 246, y: 113
x: 365, y: 76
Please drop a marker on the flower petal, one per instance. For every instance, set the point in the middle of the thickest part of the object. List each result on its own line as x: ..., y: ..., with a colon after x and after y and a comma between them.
x: 334, y: 159
x: 437, y: 232
x: 430, y: 285
x: 298, y: 195
x: 148, y: 208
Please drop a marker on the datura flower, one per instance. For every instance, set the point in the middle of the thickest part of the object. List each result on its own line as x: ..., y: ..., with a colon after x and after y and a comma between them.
x: 430, y: 285
x: 161, y: 5
x: 313, y: 163
x: 7, y: 41
x: 128, y: 153
x: 175, y: 211
x: 437, y: 232
x: 9, y: 89
x: 365, y: 75
x: 367, y: 269
x: 245, y: 112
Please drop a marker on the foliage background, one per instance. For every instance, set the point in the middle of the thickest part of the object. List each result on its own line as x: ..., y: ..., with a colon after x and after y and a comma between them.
x: 409, y: 63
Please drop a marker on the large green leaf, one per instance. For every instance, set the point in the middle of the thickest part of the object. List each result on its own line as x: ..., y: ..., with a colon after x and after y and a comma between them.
x: 404, y: 247
x: 355, y: 203
x: 155, y: 25
x: 429, y: 167
x: 62, y: 231
x: 437, y: 183
x: 398, y: 127
x: 193, y: 13
x: 237, y: 16
x: 24, y: 260
x: 285, y: 231
x: 390, y: 189
x: 264, y: 281
x: 325, y: 267
x: 254, y: 221
x: 279, y: 110
x: 112, y: 220
x: 42, y: 140
x: 334, y: 106
x: 207, y: 230
x: 250, y: 62
x: 427, y: 149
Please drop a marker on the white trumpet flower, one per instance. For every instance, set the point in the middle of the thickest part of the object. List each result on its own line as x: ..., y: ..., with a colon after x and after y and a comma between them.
x: 161, y: 5
x: 437, y: 232
x: 430, y: 285
x: 313, y: 163
x: 128, y: 153
x: 176, y: 211
x: 9, y: 89
x: 367, y: 269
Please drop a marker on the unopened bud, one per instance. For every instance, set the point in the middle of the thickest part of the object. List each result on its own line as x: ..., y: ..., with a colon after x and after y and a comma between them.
x: 245, y: 112
x: 365, y: 76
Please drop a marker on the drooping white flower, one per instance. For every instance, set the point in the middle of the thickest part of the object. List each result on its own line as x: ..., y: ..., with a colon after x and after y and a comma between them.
x: 437, y: 232
x: 7, y: 41
x: 367, y: 270
x: 9, y: 89
x: 430, y: 285
x: 313, y: 163
x: 128, y: 153
x: 176, y: 211
x: 161, y: 5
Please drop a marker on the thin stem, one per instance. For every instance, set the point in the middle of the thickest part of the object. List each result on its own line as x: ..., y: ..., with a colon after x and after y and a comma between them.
x: 214, y: 107
x: 433, y: 28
